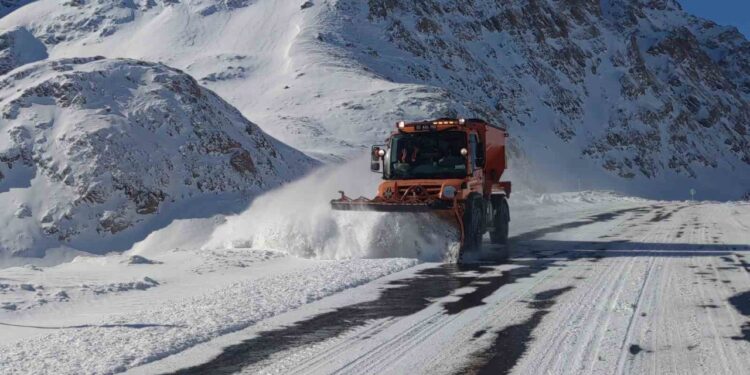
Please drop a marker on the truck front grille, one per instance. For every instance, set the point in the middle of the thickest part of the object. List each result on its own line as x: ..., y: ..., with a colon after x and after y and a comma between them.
x: 419, y: 190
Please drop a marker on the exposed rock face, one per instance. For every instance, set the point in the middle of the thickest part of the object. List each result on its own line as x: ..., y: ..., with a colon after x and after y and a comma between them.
x: 19, y: 47
x: 102, y: 145
x: 640, y: 87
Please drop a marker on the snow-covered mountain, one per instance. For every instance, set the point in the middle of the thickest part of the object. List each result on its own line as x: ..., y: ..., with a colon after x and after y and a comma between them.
x: 638, y: 89
x: 632, y: 95
x: 93, y: 150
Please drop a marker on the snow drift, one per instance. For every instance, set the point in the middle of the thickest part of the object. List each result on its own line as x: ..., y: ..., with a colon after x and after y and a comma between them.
x: 93, y: 151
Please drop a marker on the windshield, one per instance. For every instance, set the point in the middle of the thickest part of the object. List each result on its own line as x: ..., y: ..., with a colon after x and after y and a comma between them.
x: 427, y: 155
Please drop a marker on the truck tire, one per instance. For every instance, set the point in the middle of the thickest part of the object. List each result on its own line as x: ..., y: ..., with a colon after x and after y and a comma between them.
x: 473, y: 216
x: 500, y: 220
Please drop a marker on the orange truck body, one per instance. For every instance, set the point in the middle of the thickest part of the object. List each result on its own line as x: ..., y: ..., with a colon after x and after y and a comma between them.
x: 450, y: 197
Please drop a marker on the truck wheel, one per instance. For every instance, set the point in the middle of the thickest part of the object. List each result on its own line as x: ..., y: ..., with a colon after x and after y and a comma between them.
x: 473, y: 215
x: 500, y: 220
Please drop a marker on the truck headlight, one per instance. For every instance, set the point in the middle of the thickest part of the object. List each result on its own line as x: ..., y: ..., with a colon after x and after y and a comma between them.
x: 449, y: 192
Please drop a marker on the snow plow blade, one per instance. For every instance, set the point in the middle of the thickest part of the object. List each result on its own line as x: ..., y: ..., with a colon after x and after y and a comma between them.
x: 445, y: 210
x: 363, y: 204
x: 367, y: 205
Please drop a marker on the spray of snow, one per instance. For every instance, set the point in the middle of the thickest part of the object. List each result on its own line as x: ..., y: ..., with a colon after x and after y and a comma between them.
x: 297, y: 219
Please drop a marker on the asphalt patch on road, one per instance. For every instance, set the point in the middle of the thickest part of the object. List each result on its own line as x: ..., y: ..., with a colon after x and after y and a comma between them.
x: 512, y: 342
x: 486, y: 286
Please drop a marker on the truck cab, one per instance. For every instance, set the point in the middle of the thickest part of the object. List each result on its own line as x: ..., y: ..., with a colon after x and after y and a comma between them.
x: 445, y: 157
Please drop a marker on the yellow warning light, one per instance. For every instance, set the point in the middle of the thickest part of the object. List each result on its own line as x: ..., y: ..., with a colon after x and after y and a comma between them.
x: 444, y: 122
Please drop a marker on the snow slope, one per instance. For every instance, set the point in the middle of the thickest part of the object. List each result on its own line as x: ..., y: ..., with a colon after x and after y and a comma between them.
x: 636, y: 96
x: 96, y: 153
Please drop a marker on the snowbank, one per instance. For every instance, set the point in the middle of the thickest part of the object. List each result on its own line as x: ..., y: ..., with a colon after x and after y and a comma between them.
x: 125, y: 341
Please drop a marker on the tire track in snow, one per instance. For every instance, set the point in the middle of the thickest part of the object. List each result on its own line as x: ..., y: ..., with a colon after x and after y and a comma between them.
x: 580, y: 315
x: 608, y: 285
x: 585, y: 312
x: 688, y: 328
x: 628, y: 339
x: 713, y: 295
x: 629, y: 335
x: 396, y: 351
x: 610, y: 312
x: 665, y: 234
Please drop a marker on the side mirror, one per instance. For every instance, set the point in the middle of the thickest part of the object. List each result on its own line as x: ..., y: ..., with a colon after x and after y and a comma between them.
x: 376, y: 156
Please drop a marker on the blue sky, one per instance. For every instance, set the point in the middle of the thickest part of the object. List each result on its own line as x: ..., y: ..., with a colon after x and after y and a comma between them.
x: 724, y: 12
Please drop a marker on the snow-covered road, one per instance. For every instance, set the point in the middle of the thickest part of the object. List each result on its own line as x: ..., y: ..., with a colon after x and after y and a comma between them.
x: 597, y: 285
x: 662, y: 288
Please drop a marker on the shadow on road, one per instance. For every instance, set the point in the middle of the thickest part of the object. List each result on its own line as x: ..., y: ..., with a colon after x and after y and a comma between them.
x: 133, y: 325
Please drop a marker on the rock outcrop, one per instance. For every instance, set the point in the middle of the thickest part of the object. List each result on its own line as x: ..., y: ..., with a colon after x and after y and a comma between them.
x: 91, y: 148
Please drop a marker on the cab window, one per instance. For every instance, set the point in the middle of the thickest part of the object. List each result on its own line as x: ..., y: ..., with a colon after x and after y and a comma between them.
x: 473, y: 147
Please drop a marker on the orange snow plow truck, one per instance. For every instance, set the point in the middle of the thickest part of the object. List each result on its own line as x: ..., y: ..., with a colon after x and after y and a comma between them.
x: 450, y: 167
